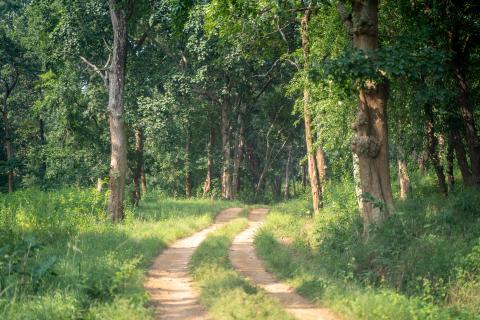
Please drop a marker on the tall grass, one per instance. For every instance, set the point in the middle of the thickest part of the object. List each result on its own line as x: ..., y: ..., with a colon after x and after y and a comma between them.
x: 422, y: 263
x: 61, y: 258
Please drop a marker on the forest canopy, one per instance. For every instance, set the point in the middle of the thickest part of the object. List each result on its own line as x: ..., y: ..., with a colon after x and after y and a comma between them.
x: 356, y: 121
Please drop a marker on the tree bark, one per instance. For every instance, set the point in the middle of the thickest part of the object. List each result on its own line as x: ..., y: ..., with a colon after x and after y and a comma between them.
x: 9, y: 86
x: 276, y: 183
x: 422, y: 158
x: 371, y: 141
x: 225, y: 130
x: 8, y: 149
x: 208, y: 179
x: 137, y: 172
x: 466, y: 111
x: 450, y: 166
x: 188, y: 168
x: 118, y: 137
x: 432, y: 148
x: 304, y: 175
x: 458, y: 146
x: 403, y: 177
x: 313, y: 174
x: 286, y: 193
x: 238, y: 154
x: 43, y: 142
x: 143, y: 179
x: 321, y: 165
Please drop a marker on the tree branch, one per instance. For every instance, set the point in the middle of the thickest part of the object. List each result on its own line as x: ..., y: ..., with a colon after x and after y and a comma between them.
x: 100, y: 72
x: 142, y: 39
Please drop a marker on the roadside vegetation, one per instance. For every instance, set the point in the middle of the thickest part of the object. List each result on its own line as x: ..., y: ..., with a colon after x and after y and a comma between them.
x: 423, y: 263
x: 62, y: 257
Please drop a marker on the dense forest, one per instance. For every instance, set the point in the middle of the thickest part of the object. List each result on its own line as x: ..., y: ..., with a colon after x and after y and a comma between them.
x: 129, y: 124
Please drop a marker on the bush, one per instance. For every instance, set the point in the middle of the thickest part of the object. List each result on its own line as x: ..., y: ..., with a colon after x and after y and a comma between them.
x: 425, y: 256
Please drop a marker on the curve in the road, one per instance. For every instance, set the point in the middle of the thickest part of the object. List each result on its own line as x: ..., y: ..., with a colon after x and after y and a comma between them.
x: 168, y: 282
x: 243, y: 258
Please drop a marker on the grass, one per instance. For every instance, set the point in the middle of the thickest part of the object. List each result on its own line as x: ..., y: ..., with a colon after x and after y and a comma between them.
x: 423, y: 263
x: 223, y: 291
x: 61, y: 258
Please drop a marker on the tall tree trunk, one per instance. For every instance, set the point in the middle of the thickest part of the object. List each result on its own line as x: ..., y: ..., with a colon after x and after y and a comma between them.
x: 225, y: 129
x: 466, y: 112
x: 457, y: 143
x: 188, y: 168
x: 432, y: 148
x: 371, y: 142
x: 253, y: 164
x: 238, y: 154
x: 276, y: 183
x: 143, y: 179
x: 137, y: 172
x: 208, y: 179
x: 43, y: 142
x: 286, y: 193
x: 8, y: 149
x: 450, y: 166
x: 422, y: 158
x: 312, y: 162
x: 321, y: 165
x: 118, y: 137
x: 304, y: 175
x: 294, y: 183
x: 403, y: 177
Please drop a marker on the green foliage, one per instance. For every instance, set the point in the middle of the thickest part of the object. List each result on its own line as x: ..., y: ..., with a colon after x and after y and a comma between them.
x: 422, y: 262
x: 61, y: 258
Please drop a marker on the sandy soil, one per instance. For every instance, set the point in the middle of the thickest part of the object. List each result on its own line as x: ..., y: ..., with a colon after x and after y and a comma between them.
x: 168, y: 282
x: 243, y: 258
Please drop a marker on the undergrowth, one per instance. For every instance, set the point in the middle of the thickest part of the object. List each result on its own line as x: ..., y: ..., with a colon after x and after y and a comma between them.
x: 61, y: 258
x: 422, y: 263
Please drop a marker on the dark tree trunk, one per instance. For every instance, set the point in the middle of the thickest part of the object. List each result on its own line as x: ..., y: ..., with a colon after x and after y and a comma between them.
x: 188, y: 167
x: 294, y: 184
x: 118, y: 137
x: 276, y: 183
x: 43, y: 142
x: 8, y: 150
x: 466, y: 113
x: 313, y: 174
x: 9, y: 85
x: 450, y: 167
x: 458, y: 146
x: 208, y: 179
x: 304, y: 175
x: 238, y: 154
x: 371, y: 141
x: 286, y: 193
x: 432, y: 148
